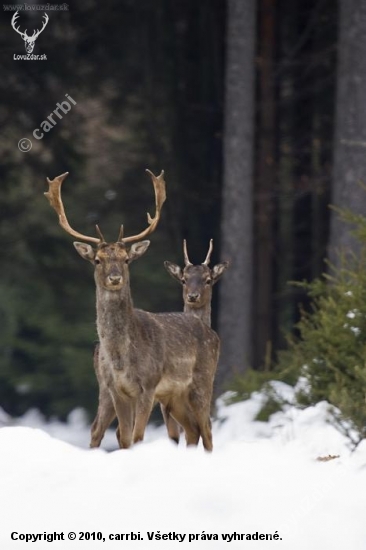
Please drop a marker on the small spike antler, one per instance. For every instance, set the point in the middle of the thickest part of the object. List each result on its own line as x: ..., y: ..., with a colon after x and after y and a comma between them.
x: 207, y: 260
x: 186, y: 259
x: 160, y: 196
x: 54, y: 197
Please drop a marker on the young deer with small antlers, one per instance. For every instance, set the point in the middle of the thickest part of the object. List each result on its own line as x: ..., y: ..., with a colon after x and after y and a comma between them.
x: 197, y: 282
x: 144, y: 357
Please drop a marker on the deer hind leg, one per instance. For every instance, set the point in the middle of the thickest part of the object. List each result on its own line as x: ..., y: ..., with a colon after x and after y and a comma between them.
x: 206, y: 434
x: 105, y: 416
x: 171, y: 424
x: 182, y: 413
x: 200, y: 427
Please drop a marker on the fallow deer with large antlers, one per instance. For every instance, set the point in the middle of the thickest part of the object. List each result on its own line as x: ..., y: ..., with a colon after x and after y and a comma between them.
x: 144, y: 357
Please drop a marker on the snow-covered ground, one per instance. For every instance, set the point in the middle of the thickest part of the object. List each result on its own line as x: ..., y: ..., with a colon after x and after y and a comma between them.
x: 261, y: 479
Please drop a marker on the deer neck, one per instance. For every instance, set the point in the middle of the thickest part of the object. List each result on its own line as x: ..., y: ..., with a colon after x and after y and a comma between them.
x: 203, y: 313
x: 115, y: 314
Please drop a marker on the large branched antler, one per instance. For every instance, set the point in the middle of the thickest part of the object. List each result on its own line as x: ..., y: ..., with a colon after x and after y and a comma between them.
x: 54, y: 197
x: 160, y: 196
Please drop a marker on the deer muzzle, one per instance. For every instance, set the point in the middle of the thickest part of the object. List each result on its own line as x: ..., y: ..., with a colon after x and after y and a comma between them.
x: 115, y: 280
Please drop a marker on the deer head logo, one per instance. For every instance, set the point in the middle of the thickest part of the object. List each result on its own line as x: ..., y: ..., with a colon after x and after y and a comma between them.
x: 28, y: 40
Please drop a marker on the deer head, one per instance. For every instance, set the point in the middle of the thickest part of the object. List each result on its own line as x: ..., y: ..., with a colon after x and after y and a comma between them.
x: 110, y: 260
x: 28, y: 40
x: 197, y: 280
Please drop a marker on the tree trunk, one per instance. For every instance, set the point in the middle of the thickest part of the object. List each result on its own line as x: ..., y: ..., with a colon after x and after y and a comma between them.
x: 235, y: 322
x: 265, y: 189
x: 349, y: 168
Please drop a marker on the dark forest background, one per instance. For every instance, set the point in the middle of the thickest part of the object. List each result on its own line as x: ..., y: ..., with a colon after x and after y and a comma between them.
x: 256, y: 112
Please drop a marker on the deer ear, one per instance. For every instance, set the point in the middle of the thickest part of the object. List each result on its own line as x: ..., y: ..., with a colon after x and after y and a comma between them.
x: 85, y: 251
x: 137, y: 250
x: 174, y: 270
x: 218, y: 270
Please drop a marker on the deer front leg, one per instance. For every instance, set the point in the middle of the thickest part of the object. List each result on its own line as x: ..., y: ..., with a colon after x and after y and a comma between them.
x: 144, y: 407
x: 201, y: 406
x: 106, y: 413
x: 125, y: 410
x: 104, y: 417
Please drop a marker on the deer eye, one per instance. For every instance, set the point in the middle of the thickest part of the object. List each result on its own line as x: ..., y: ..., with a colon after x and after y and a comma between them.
x: 183, y: 281
x: 208, y: 281
x: 127, y: 261
x: 97, y: 261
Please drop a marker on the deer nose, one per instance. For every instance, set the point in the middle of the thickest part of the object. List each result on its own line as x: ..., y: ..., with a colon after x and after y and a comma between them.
x: 115, y: 279
x: 193, y: 296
